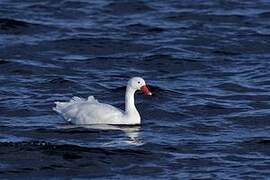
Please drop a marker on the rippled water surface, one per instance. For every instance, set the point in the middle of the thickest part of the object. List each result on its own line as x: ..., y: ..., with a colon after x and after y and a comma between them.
x: 207, y: 63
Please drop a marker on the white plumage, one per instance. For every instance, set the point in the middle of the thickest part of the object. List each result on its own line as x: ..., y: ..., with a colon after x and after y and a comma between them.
x: 90, y: 111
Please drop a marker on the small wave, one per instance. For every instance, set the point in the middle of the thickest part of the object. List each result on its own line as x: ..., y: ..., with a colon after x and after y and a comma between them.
x: 142, y: 28
x: 6, y: 24
x: 172, y: 64
x: 194, y: 16
x: 264, y: 14
x: 132, y: 7
x: 211, y: 109
x: 69, y: 130
x: 237, y: 88
x: 256, y: 144
x: 263, y: 141
x: 226, y: 53
x: 2, y: 62
x: 58, y: 148
x: 59, y: 81
x: 251, y: 119
x: 19, y: 26
x: 75, y: 4
x: 90, y: 46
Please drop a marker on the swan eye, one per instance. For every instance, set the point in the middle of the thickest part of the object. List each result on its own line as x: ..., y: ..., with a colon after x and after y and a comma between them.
x: 139, y: 82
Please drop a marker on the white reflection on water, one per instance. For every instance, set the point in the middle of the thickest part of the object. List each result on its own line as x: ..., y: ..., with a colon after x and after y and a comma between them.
x: 132, y: 133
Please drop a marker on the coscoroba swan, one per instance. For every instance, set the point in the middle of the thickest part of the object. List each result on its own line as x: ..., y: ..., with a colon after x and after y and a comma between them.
x: 90, y: 111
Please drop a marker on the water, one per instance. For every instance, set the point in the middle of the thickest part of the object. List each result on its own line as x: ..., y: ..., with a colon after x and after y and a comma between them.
x: 207, y: 63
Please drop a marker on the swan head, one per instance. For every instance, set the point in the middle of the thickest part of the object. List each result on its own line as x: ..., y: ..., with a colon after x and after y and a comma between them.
x: 138, y: 83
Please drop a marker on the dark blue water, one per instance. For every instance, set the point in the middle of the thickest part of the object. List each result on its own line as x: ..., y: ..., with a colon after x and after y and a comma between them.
x: 207, y: 63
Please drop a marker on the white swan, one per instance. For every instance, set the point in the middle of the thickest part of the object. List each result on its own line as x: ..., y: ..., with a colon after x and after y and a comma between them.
x: 90, y: 111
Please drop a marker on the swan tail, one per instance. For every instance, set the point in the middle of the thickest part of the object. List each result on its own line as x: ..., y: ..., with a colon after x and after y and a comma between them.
x: 61, y: 106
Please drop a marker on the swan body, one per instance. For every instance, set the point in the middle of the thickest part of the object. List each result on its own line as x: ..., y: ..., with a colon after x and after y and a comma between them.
x: 90, y: 111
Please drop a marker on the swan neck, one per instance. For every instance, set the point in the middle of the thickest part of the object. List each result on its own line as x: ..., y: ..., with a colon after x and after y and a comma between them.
x: 129, y: 102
